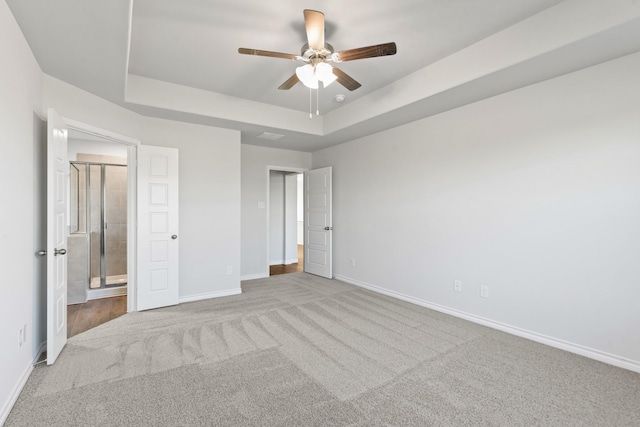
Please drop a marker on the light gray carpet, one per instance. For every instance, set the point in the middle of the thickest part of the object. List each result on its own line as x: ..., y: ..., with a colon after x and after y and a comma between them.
x: 299, y: 350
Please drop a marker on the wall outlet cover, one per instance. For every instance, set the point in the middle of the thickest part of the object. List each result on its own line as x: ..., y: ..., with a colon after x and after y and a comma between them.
x: 457, y: 285
x: 484, y: 291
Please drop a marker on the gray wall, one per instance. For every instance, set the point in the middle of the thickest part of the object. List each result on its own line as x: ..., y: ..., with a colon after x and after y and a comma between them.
x: 255, y: 181
x: 534, y: 193
x: 22, y: 231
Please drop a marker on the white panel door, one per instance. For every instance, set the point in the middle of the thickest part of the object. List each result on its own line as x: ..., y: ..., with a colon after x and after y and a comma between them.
x: 57, y: 201
x: 157, y: 227
x: 317, y: 223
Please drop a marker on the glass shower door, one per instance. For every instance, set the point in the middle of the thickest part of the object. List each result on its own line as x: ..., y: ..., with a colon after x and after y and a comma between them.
x: 108, y: 225
x: 115, y: 214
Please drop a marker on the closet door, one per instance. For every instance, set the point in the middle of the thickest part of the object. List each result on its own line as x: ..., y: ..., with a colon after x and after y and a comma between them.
x: 158, y: 240
x: 318, y: 256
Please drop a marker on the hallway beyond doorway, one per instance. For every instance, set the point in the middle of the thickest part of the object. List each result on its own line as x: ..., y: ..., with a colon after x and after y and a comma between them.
x: 289, y: 268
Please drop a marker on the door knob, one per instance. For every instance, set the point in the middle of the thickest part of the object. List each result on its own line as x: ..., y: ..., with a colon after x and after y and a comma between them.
x: 174, y: 237
x: 59, y: 252
x: 328, y: 228
x: 41, y: 253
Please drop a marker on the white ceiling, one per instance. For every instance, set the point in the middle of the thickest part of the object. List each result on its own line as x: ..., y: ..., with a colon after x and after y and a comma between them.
x: 179, y: 60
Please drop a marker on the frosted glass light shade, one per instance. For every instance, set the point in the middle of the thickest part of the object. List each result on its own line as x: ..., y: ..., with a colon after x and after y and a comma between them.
x: 324, y: 73
x: 307, y: 76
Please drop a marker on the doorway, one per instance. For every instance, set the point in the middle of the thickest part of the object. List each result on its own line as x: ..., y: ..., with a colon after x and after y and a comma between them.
x: 286, y: 222
x: 97, y: 270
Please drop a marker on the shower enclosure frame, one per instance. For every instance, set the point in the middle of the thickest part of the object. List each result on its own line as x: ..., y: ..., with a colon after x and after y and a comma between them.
x: 103, y: 223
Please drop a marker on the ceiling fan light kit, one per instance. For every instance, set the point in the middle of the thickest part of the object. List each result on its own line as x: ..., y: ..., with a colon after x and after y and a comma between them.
x: 311, y: 75
x: 317, y: 54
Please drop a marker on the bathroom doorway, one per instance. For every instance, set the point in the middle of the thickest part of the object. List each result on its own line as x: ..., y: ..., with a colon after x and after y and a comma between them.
x: 97, y: 237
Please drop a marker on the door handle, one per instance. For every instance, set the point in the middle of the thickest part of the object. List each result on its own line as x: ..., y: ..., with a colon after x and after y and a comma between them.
x: 328, y: 228
x: 57, y: 252
x: 41, y: 253
x: 174, y: 237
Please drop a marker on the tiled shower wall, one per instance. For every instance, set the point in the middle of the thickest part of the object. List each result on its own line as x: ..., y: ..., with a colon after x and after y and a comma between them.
x: 77, y: 268
x: 116, y: 215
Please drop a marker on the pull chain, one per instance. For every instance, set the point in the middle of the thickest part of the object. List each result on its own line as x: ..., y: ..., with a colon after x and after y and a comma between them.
x: 317, y: 97
x: 310, y: 93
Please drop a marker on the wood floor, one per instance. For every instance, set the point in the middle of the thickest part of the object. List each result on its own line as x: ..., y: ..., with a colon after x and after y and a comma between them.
x: 290, y: 268
x: 82, y: 317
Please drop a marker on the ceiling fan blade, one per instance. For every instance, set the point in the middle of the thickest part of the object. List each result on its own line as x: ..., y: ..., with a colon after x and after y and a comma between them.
x: 268, y: 53
x: 368, y: 52
x: 345, y: 80
x: 314, y: 23
x: 291, y: 82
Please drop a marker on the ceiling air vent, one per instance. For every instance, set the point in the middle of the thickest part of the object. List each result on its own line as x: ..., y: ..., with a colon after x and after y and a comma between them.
x: 270, y: 136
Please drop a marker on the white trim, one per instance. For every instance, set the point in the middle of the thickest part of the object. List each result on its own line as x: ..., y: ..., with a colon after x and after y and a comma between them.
x: 102, y: 133
x: 13, y: 397
x: 106, y: 292
x: 591, y: 353
x: 254, y: 276
x: 217, y: 294
x: 15, y: 393
x: 132, y: 228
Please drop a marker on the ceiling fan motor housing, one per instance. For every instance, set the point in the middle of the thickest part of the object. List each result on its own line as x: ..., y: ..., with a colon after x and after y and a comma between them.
x: 308, y: 54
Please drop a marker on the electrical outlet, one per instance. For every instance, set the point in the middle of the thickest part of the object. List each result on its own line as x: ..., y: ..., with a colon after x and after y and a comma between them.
x: 484, y: 291
x: 229, y: 270
x: 353, y: 262
x: 22, y: 335
x: 457, y: 285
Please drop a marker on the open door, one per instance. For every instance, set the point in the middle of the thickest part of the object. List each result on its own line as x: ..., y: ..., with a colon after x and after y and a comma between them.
x: 318, y: 230
x: 157, y: 227
x: 57, y: 201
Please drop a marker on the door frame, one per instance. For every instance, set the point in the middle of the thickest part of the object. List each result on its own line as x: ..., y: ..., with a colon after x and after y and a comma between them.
x: 268, y: 207
x: 132, y: 197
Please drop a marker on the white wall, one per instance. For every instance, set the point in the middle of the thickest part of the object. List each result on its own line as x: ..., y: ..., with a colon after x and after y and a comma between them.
x: 534, y: 193
x: 20, y: 227
x: 105, y: 148
x: 209, y: 193
x: 276, y: 217
x: 300, y: 208
x: 255, y: 180
x: 291, y: 218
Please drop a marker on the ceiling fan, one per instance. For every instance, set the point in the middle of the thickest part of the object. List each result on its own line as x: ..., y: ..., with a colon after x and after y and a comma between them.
x: 317, y: 54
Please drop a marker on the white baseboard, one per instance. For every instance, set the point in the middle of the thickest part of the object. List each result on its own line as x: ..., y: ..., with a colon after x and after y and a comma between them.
x: 254, y: 276
x: 591, y: 353
x: 284, y: 261
x: 209, y: 295
x: 106, y: 292
x: 15, y: 393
